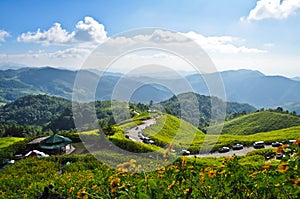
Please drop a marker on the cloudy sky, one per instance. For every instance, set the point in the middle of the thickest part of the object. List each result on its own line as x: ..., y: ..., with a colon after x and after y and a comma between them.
x: 260, y: 35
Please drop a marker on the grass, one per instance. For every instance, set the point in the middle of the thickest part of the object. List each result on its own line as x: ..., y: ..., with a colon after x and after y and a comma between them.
x: 170, y: 129
x: 7, y: 141
x: 263, y: 121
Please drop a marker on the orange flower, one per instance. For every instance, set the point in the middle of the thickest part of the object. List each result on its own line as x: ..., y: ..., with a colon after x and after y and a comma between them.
x: 285, y: 146
x: 82, y: 194
x: 283, y: 167
x: 115, y: 182
x: 184, y: 159
x: 279, y: 149
x: 296, y: 142
x: 296, y: 182
x: 167, y: 151
x: 267, y: 165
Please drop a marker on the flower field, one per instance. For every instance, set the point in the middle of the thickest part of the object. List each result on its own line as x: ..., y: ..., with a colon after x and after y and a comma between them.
x: 85, y: 177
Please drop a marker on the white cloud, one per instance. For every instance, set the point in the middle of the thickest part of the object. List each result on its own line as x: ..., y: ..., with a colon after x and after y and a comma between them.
x: 222, y: 44
x: 70, y: 58
x: 3, y: 35
x: 277, y: 9
x: 88, y: 30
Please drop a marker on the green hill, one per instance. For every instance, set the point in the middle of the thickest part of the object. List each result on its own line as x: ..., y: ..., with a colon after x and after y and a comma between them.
x: 56, y: 113
x: 262, y: 121
x: 170, y: 129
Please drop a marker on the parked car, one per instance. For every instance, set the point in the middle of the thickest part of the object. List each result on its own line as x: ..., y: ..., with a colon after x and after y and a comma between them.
x: 291, y: 142
x: 259, y: 144
x: 276, y: 144
x: 224, y: 149
x: 237, y: 147
x: 185, y: 152
x: 279, y: 156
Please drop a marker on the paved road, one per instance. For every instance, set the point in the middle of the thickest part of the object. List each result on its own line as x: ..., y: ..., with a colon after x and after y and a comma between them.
x: 241, y: 152
x: 133, y: 133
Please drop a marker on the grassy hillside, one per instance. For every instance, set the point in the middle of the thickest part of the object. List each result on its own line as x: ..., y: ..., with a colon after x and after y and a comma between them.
x: 188, y: 136
x: 172, y: 129
x: 7, y: 141
x: 259, y: 122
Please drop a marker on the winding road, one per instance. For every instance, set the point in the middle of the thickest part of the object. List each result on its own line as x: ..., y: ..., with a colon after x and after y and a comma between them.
x: 133, y: 132
x: 133, y: 135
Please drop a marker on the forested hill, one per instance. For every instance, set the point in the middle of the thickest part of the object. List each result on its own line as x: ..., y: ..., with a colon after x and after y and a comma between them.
x: 36, y: 110
x: 172, y: 106
x: 56, y: 113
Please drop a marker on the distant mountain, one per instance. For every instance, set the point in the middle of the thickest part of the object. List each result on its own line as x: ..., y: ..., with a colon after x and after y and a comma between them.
x: 252, y: 87
x: 262, y: 121
x: 10, y: 65
x: 243, y: 86
x: 296, y: 78
x: 60, y: 82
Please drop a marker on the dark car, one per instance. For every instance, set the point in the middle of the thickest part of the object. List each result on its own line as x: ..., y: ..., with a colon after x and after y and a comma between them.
x: 224, y: 149
x: 259, y: 144
x: 237, y: 147
x: 276, y: 144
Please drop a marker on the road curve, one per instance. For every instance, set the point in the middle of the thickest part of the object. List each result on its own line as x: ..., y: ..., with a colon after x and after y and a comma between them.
x: 133, y: 135
x: 133, y: 132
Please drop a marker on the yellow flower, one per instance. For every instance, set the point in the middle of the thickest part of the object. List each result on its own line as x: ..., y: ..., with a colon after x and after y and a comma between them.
x: 221, y: 166
x: 207, y: 169
x: 277, y: 185
x: 253, y: 175
x: 222, y: 172
x: 202, y: 177
x: 212, y: 173
x: 71, y: 189
x: 283, y: 167
x: 171, y: 185
x: 186, y: 191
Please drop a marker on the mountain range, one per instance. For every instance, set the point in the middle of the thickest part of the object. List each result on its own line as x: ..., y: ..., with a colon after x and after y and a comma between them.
x: 243, y: 86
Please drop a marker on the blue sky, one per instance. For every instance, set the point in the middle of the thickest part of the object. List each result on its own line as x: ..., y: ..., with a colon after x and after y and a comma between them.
x: 260, y: 35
